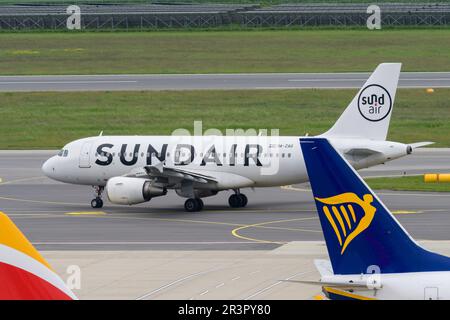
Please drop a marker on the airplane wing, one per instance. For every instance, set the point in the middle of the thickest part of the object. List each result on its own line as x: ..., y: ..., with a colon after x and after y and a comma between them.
x: 166, y: 176
x: 176, y: 174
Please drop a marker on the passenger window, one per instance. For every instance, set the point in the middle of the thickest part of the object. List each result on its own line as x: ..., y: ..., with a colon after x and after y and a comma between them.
x: 66, y: 152
x: 60, y: 153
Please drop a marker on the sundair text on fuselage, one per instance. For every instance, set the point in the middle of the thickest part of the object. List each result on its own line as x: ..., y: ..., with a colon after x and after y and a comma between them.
x: 183, y: 154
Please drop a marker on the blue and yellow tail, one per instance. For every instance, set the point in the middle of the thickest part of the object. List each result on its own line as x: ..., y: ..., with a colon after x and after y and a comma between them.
x: 360, y: 232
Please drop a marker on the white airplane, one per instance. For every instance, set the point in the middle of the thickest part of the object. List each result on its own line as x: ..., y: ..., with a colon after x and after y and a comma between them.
x: 135, y: 169
x: 372, y: 255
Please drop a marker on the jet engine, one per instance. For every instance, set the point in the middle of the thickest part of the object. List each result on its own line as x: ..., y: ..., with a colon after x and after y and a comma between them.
x: 125, y: 190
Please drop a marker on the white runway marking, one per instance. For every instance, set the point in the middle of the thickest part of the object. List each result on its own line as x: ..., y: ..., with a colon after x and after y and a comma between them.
x: 276, y: 284
x: 68, y: 82
x: 142, y: 242
x: 145, y: 296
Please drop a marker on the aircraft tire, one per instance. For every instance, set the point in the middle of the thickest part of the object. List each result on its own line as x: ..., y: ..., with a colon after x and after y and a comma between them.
x: 192, y: 205
x: 96, y: 203
x: 200, y: 204
x: 243, y: 200
x: 234, y: 201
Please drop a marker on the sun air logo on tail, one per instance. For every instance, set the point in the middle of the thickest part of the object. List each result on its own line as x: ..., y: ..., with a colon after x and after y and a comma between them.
x: 374, y: 102
x: 347, y: 220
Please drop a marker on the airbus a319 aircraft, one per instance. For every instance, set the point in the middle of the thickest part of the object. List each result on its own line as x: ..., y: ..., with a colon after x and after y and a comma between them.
x: 135, y: 169
x: 372, y: 256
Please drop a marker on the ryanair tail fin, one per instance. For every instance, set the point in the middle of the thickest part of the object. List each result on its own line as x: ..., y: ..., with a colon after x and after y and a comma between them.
x: 369, y: 113
x: 360, y: 233
x: 24, y: 273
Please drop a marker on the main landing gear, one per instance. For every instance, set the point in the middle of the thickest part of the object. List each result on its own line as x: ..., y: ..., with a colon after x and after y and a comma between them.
x: 237, y: 200
x: 193, y: 204
x: 97, y: 202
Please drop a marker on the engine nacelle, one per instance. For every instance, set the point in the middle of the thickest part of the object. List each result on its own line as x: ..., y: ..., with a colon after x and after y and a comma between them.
x: 125, y: 190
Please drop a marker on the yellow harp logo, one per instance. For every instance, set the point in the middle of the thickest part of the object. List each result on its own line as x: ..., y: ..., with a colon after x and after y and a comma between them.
x: 342, y: 217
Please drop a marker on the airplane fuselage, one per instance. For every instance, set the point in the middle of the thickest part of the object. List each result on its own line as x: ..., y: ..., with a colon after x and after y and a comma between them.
x: 245, y: 161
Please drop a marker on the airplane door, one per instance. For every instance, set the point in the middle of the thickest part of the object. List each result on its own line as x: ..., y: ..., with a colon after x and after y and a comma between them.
x: 431, y: 293
x: 84, y: 155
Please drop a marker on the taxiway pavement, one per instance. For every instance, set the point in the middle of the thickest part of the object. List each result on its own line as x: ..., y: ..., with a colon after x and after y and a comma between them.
x: 211, y: 81
x: 58, y: 216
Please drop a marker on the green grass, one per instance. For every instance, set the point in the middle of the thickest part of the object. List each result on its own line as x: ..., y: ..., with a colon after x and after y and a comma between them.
x: 222, y: 51
x: 49, y: 120
x: 408, y: 183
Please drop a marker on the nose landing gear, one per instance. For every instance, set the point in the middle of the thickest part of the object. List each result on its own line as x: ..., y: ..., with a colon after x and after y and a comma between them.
x: 97, y: 202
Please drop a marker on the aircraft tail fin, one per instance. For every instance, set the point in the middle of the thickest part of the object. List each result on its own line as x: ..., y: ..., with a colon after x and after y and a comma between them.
x: 24, y: 273
x: 369, y: 113
x: 360, y: 232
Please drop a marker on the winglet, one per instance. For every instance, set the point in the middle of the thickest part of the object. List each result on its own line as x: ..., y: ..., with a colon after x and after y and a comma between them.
x: 24, y: 273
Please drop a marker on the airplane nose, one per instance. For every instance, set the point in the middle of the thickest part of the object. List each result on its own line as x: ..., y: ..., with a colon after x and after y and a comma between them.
x: 48, y: 168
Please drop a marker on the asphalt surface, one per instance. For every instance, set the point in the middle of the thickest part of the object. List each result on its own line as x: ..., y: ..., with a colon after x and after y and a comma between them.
x: 212, y: 81
x: 58, y: 216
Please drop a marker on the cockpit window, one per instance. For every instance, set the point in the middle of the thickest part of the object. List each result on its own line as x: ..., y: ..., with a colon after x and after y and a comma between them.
x: 63, y: 153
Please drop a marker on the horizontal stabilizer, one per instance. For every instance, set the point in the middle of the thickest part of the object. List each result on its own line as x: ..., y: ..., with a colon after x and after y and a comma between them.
x: 340, y: 285
x: 420, y: 144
